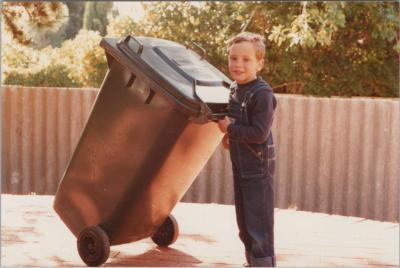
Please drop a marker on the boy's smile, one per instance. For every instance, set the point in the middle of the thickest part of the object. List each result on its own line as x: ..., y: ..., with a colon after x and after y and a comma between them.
x: 243, y: 64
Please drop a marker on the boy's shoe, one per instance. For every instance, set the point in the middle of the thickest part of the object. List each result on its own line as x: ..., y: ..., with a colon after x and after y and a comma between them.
x: 247, y: 254
x: 247, y: 263
x: 263, y: 262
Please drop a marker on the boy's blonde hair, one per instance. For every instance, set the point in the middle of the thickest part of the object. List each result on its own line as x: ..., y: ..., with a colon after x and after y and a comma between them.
x: 256, y: 39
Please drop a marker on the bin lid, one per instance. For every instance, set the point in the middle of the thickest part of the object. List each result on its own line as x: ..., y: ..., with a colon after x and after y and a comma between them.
x: 178, y: 70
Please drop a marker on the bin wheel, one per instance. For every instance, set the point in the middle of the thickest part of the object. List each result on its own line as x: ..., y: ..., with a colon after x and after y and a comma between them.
x: 167, y: 233
x: 93, y: 246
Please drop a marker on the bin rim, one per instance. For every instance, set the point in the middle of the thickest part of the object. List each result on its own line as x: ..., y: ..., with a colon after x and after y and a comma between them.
x: 195, y: 106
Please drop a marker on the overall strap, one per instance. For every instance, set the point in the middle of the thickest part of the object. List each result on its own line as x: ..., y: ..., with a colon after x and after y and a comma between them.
x: 248, y: 97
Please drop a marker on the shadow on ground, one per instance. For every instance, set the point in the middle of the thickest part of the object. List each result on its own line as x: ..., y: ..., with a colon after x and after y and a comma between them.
x: 156, y: 257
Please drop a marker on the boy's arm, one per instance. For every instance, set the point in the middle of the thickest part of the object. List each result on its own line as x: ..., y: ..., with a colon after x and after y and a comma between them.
x: 262, y: 117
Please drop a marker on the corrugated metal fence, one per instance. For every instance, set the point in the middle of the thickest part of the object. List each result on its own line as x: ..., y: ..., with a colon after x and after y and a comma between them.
x: 334, y: 155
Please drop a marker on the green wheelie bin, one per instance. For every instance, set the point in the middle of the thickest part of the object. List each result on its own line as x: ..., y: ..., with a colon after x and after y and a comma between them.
x: 150, y: 131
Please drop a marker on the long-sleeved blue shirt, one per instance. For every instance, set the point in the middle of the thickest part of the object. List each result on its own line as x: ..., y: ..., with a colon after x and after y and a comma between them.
x: 260, y: 109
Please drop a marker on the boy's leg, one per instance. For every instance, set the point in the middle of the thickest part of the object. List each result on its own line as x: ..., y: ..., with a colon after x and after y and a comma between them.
x: 243, y: 235
x: 258, y: 210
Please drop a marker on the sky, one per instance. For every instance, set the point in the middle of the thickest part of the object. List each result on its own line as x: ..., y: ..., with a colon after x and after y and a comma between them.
x: 131, y: 9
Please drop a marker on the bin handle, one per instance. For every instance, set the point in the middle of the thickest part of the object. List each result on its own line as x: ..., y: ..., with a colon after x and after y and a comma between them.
x: 202, y: 50
x: 129, y: 37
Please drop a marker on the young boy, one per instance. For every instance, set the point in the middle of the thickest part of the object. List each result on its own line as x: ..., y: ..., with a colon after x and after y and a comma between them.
x: 249, y: 139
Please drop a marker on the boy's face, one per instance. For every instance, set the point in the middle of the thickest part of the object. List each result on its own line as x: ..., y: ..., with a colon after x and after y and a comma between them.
x: 243, y: 64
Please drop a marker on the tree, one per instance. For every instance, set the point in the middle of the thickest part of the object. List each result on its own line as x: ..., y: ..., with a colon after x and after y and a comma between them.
x: 96, y: 16
x: 27, y: 20
x: 209, y: 25
x: 121, y: 26
x: 318, y: 48
x: 342, y: 48
x: 75, y: 22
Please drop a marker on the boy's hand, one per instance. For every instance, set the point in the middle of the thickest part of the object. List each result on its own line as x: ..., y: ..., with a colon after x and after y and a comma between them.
x: 225, y: 141
x: 223, y: 124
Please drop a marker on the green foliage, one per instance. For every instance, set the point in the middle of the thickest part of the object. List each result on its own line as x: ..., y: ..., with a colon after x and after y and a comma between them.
x: 313, y: 48
x: 85, y: 57
x: 311, y: 27
x: 77, y: 63
x: 208, y: 25
x: 28, y: 21
x: 39, y: 24
x: 52, y: 76
x: 96, y: 16
x: 316, y: 48
x: 17, y: 56
x: 122, y: 26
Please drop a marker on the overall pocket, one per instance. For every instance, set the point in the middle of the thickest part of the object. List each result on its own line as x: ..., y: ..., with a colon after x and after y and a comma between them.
x: 252, y: 160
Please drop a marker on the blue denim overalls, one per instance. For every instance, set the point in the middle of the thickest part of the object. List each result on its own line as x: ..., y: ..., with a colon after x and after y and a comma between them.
x: 253, y: 168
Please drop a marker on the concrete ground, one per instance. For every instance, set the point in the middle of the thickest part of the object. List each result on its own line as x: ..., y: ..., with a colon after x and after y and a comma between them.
x: 33, y: 235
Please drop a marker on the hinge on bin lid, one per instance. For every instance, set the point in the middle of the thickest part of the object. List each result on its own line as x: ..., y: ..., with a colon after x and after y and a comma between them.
x: 124, y: 44
x: 203, y: 56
